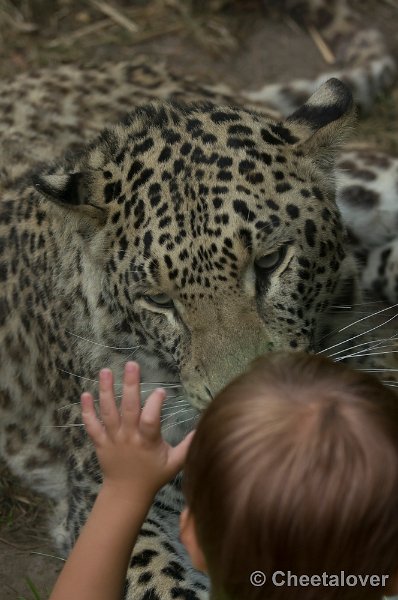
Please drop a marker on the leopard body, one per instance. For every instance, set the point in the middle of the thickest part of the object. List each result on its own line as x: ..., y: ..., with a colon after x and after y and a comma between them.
x: 205, y: 228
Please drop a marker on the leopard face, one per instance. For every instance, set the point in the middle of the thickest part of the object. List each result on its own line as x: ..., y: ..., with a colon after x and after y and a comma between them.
x: 212, y: 233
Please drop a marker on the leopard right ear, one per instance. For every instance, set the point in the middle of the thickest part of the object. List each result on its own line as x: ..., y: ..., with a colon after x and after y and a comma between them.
x: 331, y: 102
x: 324, y: 122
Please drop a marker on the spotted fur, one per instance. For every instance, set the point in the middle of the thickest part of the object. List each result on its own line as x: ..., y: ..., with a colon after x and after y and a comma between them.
x: 193, y: 235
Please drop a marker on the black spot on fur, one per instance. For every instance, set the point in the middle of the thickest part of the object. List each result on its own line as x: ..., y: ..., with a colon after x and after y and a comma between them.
x: 170, y: 136
x: 270, y: 139
x: 165, y: 154
x: 3, y: 272
x: 219, y: 117
x: 142, y: 179
x: 239, y: 130
x: 271, y: 204
x: 143, y: 559
x: 284, y: 134
x: 246, y: 237
x: 317, y: 193
x: 150, y: 595
x: 174, y: 571
x: 224, y: 161
x: 148, y: 239
x: 183, y: 594
x: 145, y: 577
x: 356, y: 195
x: 134, y: 169
x: 293, y: 211
x: 241, y: 209
x: 185, y: 149
x: 310, y: 232
x: 143, y: 146
x: 281, y: 188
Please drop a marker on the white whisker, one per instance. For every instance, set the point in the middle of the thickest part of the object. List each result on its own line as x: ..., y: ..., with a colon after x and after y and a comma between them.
x: 77, y: 376
x: 378, y: 370
x: 69, y: 405
x: 119, y: 396
x: 151, y: 383
x: 359, y: 334
x: 367, y: 316
x: 368, y: 354
x: 179, y: 423
x: 62, y: 426
x: 99, y: 344
x: 48, y: 555
x: 378, y: 346
x: 161, y: 384
x: 178, y: 412
x: 178, y: 404
x: 349, y: 306
x: 375, y: 344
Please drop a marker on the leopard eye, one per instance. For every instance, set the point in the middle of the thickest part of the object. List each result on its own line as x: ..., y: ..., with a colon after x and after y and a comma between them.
x: 270, y: 262
x: 161, y: 300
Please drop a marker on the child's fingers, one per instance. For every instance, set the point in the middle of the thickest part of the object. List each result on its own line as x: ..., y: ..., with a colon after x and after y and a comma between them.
x: 149, y: 424
x: 178, y: 454
x: 93, y: 426
x: 109, y: 412
x: 131, y: 398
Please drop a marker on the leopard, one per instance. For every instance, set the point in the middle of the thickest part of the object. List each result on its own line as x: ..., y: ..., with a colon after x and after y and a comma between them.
x: 205, y: 227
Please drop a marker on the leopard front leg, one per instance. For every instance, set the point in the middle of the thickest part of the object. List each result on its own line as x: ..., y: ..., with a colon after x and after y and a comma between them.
x: 160, y: 568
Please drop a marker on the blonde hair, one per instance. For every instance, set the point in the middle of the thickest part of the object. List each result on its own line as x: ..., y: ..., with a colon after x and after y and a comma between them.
x: 294, y: 467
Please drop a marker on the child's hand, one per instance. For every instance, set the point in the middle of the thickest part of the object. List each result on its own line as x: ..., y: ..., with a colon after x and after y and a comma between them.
x: 134, y: 458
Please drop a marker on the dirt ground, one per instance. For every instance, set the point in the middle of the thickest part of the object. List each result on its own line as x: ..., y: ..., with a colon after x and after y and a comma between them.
x: 243, y: 45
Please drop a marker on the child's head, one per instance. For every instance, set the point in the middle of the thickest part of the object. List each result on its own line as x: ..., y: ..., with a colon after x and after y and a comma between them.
x: 294, y: 467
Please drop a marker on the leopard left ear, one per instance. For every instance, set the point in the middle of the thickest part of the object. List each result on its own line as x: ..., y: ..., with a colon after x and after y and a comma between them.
x: 324, y: 122
x: 75, y: 192
x: 66, y: 189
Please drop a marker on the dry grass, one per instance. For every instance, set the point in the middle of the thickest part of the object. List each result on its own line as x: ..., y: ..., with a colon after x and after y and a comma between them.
x: 22, y: 514
x: 41, y: 32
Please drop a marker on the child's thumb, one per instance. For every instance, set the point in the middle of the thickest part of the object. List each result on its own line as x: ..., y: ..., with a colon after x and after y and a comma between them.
x: 179, y: 453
